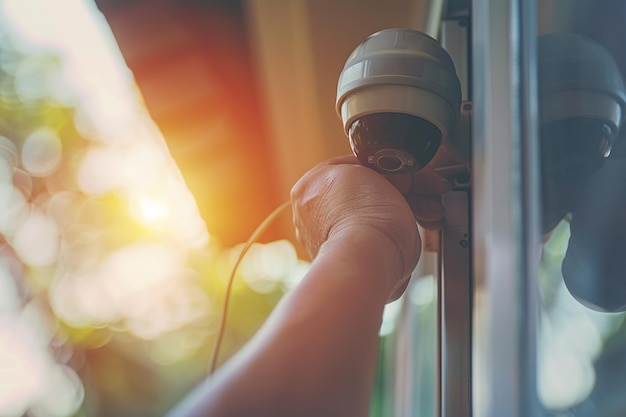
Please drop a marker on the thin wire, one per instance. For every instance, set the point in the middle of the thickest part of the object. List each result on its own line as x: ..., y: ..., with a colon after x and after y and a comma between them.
x: 255, y: 235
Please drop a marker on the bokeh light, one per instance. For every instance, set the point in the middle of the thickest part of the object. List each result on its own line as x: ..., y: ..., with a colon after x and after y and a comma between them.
x: 572, y: 336
x: 22, y: 365
x: 104, y: 256
x: 41, y: 152
x: 36, y: 240
x: 265, y: 267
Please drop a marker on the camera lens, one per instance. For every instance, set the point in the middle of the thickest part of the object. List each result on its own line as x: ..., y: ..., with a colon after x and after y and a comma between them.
x: 394, y: 142
x: 390, y: 163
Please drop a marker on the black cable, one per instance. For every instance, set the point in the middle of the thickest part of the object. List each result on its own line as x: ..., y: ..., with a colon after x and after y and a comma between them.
x: 255, y: 235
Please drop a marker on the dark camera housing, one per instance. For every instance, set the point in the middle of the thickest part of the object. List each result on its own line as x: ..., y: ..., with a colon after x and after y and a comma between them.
x: 394, y: 143
x: 573, y: 149
x: 582, y: 100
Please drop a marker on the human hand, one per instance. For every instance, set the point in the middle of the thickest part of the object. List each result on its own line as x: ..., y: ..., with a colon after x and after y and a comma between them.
x: 340, y: 197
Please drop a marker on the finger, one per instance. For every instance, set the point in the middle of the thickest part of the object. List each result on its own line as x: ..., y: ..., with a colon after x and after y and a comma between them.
x: 399, y: 290
x: 343, y: 159
x: 427, y: 209
x: 427, y: 181
x: 403, y: 183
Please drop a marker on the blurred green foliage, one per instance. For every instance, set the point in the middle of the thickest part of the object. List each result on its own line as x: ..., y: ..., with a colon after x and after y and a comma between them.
x: 121, y: 373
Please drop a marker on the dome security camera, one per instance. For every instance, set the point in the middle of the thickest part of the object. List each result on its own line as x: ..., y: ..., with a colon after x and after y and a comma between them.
x: 581, y: 107
x: 398, y: 97
x: 582, y: 102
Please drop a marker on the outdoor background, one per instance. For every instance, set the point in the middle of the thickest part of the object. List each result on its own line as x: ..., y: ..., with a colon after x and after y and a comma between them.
x: 141, y: 143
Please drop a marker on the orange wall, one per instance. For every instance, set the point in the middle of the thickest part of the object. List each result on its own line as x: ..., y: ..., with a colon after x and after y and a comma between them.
x: 191, y: 62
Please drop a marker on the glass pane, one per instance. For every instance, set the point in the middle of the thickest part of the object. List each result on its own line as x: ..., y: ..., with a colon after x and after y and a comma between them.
x: 582, y: 336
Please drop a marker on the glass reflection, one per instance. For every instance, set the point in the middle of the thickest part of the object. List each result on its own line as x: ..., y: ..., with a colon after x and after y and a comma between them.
x: 582, y: 99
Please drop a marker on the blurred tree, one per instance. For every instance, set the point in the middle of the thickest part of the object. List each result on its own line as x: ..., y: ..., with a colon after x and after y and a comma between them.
x: 124, y: 301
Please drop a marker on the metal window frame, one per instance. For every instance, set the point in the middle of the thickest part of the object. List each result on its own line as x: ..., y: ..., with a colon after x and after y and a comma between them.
x: 505, y: 208
x: 500, y: 355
